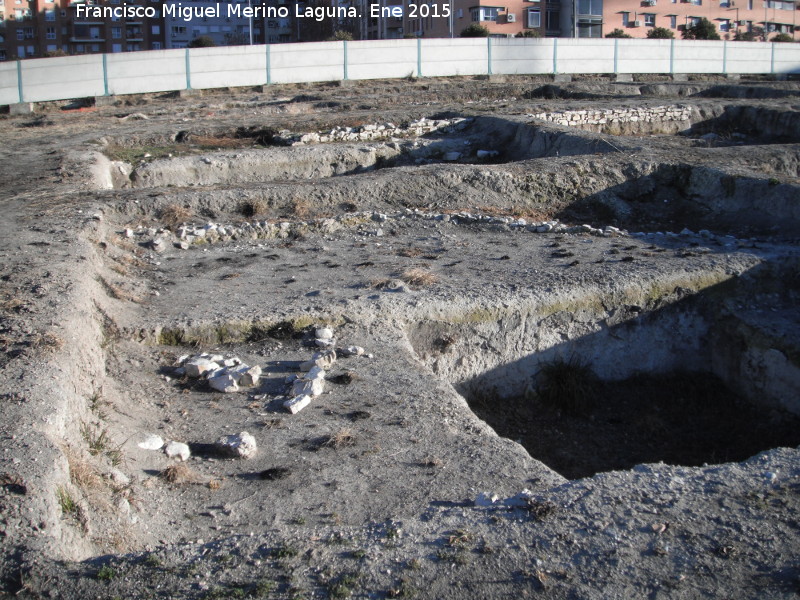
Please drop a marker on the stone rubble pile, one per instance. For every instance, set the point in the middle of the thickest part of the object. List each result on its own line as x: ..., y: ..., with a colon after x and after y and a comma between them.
x: 188, y: 235
x: 655, y: 114
x: 312, y: 383
x: 223, y: 374
x: 374, y: 131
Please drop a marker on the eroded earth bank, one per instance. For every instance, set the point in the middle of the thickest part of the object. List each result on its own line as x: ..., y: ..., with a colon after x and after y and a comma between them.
x: 555, y: 330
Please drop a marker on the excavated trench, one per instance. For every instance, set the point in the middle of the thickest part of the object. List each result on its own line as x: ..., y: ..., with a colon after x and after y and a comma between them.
x: 590, y: 384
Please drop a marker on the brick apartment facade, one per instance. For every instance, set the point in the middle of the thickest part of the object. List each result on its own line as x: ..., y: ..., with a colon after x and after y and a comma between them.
x: 596, y: 18
x: 39, y: 28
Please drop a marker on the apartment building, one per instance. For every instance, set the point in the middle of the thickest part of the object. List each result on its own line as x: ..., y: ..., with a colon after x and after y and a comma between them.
x: 596, y: 18
x: 730, y: 16
x: 39, y: 28
x: 225, y: 22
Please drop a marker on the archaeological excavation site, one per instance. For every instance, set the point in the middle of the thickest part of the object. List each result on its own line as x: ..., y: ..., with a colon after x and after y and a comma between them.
x: 448, y: 338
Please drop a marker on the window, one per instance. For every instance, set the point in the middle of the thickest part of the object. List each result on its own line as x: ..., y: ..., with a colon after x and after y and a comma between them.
x: 50, y: 33
x: 460, y: 13
x: 20, y: 51
x: 590, y: 7
x: 2, y: 54
x: 52, y: 47
x: 534, y: 19
x: 553, y: 22
x: 20, y: 34
x: 116, y: 48
x: 749, y: 4
x: 625, y: 18
x: 49, y: 15
x: 724, y: 25
x: 29, y: 33
x: 94, y: 33
x: 156, y: 30
x: 63, y: 14
x: 649, y: 19
x: 673, y: 21
x: 156, y: 45
x: 95, y: 47
x: 484, y: 13
x: 178, y: 30
x: 692, y: 21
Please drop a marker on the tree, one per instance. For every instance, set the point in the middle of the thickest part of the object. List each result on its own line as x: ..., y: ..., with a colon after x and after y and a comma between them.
x: 618, y: 33
x: 202, y: 42
x: 475, y: 30
x: 702, y: 30
x: 529, y: 33
x: 782, y: 37
x: 340, y: 36
x: 756, y: 34
x: 660, y: 33
x: 237, y: 38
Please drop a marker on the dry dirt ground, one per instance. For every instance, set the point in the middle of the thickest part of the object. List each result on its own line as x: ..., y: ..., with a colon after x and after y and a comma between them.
x: 546, y: 406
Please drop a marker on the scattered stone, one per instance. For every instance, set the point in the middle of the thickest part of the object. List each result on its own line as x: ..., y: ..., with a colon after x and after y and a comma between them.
x: 177, y: 450
x: 315, y: 373
x: 351, y: 351
x: 324, y: 333
x: 242, y: 445
x: 118, y: 477
x: 151, y: 442
x: 296, y: 404
x: 249, y: 376
x: 486, y: 499
x: 320, y: 359
x: 224, y: 382
x: 307, y: 387
x: 196, y: 367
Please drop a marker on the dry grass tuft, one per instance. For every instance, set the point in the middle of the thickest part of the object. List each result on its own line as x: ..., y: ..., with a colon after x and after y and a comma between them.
x: 432, y: 462
x: 175, y: 214
x: 412, y: 252
x: 209, y: 141
x: 11, y: 304
x: 180, y: 473
x: 382, y: 284
x: 301, y: 208
x: 48, y: 341
x: 343, y: 438
x: 418, y: 277
x: 81, y: 472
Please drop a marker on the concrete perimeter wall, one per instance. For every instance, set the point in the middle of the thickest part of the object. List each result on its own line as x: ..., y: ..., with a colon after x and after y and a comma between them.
x: 71, y: 77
